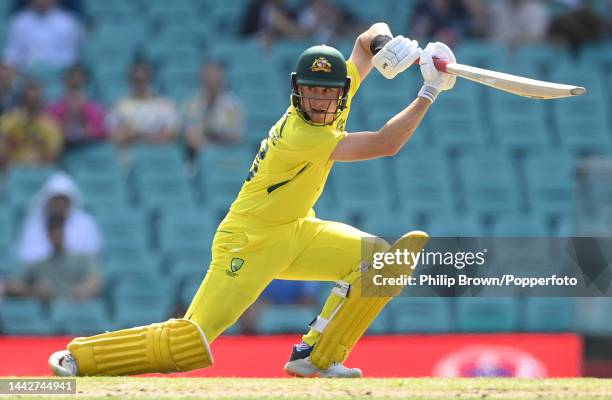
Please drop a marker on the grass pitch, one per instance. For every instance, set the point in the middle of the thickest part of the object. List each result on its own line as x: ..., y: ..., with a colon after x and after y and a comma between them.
x: 420, y: 388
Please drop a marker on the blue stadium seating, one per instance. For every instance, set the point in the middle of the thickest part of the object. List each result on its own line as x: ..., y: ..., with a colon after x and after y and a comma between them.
x: 422, y: 182
x: 487, y: 314
x: 123, y: 229
x: 24, y: 182
x: 178, y: 233
x: 593, y: 316
x: 143, y: 301
x: 285, y: 319
x: 84, y: 318
x: 99, y: 158
x: 490, y: 185
x: 186, y: 271
x: 550, y: 314
x: 420, y: 315
x: 551, y: 183
x: 528, y: 134
x: 23, y: 317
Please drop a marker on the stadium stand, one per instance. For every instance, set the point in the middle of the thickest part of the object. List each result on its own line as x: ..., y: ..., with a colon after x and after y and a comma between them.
x: 483, y: 163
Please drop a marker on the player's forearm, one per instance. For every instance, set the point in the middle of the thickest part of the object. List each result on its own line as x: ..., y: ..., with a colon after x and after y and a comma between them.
x: 398, y: 130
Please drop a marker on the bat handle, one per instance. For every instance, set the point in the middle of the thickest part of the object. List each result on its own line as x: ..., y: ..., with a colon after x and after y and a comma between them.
x: 438, y: 62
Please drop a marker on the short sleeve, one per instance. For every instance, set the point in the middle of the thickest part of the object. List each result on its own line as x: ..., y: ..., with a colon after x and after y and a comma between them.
x: 353, y: 73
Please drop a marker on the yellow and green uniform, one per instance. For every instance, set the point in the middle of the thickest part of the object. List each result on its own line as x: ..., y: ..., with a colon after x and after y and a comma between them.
x: 271, y: 231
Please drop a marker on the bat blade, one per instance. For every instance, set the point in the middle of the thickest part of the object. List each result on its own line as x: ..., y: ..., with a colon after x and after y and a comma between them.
x: 518, y: 85
x: 514, y: 84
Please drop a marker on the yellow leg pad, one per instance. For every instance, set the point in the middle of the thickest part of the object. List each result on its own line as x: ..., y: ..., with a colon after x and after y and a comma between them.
x: 171, y: 346
x: 357, y: 313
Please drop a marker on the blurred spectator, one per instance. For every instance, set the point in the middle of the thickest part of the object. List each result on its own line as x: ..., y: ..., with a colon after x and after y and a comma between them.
x: 279, y: 292
x: 213, y: 114
x: 143, y: 116
x: 81, y: 119
x: 270, y: 20
x: 59, y: 197
x: 74, y: 6
x: 61, y: 275
x: 325, y: 21
x: 27, y: 134
x: 8, y: 88
x: 43, y: 34
x: 579, y: 26
x: 443, y: 20
x: 517, y: 22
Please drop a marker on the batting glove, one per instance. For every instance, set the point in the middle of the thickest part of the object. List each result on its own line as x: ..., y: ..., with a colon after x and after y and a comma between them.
x: 396, y: 56
x: 435, y: 81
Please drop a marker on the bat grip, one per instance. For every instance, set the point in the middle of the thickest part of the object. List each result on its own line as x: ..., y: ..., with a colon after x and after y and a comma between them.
x: 438, y: 62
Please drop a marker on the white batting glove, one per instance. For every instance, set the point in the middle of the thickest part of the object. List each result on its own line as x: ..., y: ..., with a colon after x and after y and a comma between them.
x: 435, y: 81
x: 396, y: 56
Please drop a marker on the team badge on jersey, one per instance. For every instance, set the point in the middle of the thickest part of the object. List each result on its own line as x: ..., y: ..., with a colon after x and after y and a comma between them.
x: 235, y: 265
x: 321, y: 64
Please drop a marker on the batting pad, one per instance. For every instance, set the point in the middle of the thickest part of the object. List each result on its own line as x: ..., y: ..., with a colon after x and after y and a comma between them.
x: 357, y: 312
x: 172, y: 346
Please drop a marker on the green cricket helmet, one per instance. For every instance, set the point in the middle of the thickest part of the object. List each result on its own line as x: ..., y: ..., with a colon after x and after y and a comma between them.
x: 322, y: 66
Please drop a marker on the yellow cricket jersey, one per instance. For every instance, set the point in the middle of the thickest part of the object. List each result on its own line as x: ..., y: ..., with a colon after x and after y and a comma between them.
x: 291, y: 168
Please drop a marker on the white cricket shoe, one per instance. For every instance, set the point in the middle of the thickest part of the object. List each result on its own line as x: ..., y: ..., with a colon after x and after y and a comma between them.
x: 303, y: 368
x: 63, y: 364
x: 300, y: 365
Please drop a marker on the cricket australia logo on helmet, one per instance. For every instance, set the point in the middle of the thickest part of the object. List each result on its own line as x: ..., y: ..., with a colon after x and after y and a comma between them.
x: 321, y: 64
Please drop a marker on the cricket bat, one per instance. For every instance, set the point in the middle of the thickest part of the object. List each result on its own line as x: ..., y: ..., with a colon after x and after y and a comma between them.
x: 518, y: 85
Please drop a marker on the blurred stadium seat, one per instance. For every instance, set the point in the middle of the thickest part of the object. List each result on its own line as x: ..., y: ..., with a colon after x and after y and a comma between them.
x: 23, y: 317
x: 285, y: 318
x: 487, y: 314
x: 421, y: 315
x: 79, y: 318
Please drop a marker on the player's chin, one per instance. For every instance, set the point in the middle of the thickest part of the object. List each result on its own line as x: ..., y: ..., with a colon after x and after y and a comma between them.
x: 318, y: 118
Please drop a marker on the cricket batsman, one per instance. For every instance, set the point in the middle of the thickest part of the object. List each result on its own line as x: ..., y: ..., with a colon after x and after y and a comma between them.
x: 271, y: 231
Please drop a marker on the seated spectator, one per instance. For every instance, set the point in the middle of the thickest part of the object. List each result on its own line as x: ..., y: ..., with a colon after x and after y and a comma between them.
x: 59, y: 197
x: 579, y: 26
x: 62, y: 274
x: 213, y: 114
x: 444, y: 20
x: 270, y: 20
x: 518, y: 22
x: 73, y: 6
x: 279, y: 292
x: 27, y: 134
x: 143, y: 116
x: 43, y: 34
x: 325, y: 21
x: 81, y: 119
x: 8, y: 88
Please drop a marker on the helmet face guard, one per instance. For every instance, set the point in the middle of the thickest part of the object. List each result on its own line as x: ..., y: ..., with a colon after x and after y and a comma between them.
x: 298, y: 101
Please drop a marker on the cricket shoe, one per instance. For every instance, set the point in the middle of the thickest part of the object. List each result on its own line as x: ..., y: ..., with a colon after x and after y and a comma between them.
x: 63, y: 364
x: 299, y: 365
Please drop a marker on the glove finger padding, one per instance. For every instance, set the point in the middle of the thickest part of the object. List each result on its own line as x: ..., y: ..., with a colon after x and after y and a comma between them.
x: 412, y: 54
x: 394, y: 44
x: 396, y: 56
